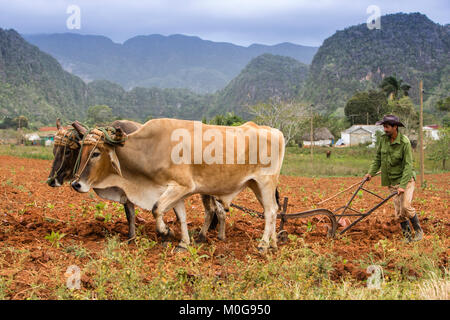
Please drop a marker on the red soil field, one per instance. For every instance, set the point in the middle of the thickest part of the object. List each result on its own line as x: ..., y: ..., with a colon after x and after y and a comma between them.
x: 30, y: 210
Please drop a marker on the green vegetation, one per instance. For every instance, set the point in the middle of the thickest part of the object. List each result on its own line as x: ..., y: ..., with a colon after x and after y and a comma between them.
x: 439, y: 150
x: 349, y: 161
x: 358, y: 59
x: 264, y: 77
x: 296, y: 271
x: 366, y: 107
x: 16, y: 123
x: 405, y: 110
x: 394, y: 88
x: 99, y: 115
x: 35, y: 152
x: 34, y: 85
x: 229, y: 119
x: 55, y: 238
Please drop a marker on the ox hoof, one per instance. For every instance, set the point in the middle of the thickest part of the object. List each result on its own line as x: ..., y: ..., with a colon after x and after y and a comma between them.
x: 262, y: 249
x: 282, y: 236
x: 179, y: 249
x: 131, y: 238
x: 168, y: 236
x: 201, y: 239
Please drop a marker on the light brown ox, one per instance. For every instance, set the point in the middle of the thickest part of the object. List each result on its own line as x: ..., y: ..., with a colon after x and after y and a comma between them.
x: 148, y: 167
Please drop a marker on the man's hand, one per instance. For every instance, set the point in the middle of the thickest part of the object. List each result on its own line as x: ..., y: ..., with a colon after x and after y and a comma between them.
x: 368, y: 177
x: 400, y: 191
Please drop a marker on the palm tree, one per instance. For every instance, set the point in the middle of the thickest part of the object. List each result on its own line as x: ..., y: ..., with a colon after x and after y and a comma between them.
x: 392, y: 87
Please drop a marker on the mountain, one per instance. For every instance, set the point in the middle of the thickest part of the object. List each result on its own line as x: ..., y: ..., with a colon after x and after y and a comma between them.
x: 264, y: 77
x: 33, y: 84
x: 175, y: 61
x: 142, y: 103
x: 410, y: 46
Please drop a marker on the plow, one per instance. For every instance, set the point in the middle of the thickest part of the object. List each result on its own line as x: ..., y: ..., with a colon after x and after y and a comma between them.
x: 334, y: 216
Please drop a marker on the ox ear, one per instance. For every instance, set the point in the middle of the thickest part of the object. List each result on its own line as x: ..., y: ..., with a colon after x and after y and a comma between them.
x: 119, y: 135
x: 58, y: 123
x: 114, y: 161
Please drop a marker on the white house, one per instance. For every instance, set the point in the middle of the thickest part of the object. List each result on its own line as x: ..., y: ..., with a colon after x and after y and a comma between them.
x: 32, y: 137
x: 431, y: 132
x: 322, y: 137
x: 360, y: 133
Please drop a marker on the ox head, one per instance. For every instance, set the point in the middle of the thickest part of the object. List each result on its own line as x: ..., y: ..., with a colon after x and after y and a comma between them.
x: 97, y: 159
x: 65, y: 152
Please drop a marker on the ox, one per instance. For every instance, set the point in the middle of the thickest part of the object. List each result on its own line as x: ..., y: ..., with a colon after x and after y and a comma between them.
x: 65, y: 151
x: 157, y: 169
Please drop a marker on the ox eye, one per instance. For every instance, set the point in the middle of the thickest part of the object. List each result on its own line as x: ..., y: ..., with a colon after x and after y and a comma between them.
x: 95, y: 154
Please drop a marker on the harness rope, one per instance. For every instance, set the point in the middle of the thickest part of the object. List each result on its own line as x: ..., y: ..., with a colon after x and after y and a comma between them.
x: 94, y: 137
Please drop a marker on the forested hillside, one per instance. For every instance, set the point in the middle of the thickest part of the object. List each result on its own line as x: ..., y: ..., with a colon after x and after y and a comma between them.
x: 410, y: 46
x: 264, y: 77
x: 33, y: 84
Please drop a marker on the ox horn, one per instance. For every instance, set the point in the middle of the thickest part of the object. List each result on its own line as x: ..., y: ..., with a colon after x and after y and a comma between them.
x: 80, y: 129
x: 58, y: 123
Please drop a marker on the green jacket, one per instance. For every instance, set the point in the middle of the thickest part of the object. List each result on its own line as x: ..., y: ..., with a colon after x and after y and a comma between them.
x: 395, y: 160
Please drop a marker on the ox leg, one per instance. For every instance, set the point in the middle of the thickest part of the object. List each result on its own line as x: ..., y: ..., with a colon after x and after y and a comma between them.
x: 167, y: 201
x: 161, y: 228
x: 208, y: 204
x: 221, y: 215
x: 222, y: 206
x: 265, y: 194
x: 181, y: 215
x: 213, y: 208
x: 131, y: 218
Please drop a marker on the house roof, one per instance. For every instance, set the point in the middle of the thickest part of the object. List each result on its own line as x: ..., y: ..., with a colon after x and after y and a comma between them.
x: 372, y: 128
x: 32, y: 136
x: 319, y: 134
x: 48, y: 129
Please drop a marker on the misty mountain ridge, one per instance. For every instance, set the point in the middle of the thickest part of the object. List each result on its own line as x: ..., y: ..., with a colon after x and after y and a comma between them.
x: 175, y: 61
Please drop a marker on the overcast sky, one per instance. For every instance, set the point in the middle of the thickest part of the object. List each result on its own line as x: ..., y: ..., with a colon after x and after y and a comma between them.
x: 241, y: 22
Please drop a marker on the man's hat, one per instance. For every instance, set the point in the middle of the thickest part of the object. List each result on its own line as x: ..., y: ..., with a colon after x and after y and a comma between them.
x: 391, y: 120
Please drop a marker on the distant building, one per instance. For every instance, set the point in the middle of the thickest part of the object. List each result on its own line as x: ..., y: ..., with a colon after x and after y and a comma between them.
x: 360, y: 133
x: 32, y: 138
x: 45, y: 136
x: 321, y: 137
x: 48, y: 135
x: 431, y: 131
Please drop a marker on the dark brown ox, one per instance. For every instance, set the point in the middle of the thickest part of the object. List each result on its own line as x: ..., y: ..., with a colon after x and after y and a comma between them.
x: 65, y: 151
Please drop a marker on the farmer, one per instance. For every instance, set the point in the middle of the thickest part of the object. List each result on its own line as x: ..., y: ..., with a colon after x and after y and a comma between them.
x: 394, y: 156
